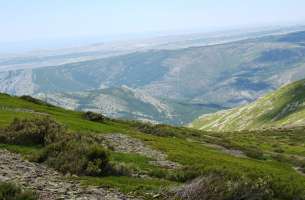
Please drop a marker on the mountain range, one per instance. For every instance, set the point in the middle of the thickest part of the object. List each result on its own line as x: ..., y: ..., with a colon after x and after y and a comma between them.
x: 217, y: 76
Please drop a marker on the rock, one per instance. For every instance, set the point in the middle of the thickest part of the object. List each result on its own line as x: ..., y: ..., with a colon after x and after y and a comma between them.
x: 125, y: 144
x: 48, y: 183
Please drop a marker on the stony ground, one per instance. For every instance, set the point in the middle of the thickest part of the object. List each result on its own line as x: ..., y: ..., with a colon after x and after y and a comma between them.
x: 125, y: 144
x: 48, y: 183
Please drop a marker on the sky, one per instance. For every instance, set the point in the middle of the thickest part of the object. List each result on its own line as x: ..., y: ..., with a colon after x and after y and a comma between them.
x: 34, y: 20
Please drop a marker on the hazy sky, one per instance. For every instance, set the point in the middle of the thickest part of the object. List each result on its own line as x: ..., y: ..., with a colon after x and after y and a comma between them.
x: 48, y: 19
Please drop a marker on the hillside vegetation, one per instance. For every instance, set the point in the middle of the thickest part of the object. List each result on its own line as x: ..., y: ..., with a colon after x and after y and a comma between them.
x: 149, y: 161
x: 9, y: 191
x: 284, y: 107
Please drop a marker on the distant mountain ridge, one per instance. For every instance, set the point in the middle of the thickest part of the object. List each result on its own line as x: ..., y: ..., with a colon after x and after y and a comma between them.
x: 243, y: 68
x: 284, y: 107
x: 227, y: 75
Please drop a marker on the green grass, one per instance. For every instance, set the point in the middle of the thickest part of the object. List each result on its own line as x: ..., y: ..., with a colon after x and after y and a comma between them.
x: 183, y: 146
x: 24, y: 150
x: 73, y: 120
x: 131, y: 185
x: 133, y: 161
x: 9, y: 191
x: 284, y: 107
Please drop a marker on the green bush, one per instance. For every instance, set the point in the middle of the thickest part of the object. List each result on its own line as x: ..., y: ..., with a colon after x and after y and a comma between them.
x: 254, y: 152
x: 10, y: 191
x: 37, y: 131
x: 279, y: 150
x: 280, y: 158
x: 119, y: 169
x: 4, y: 94
x: 64, y: 151
x: 159, y: 130
x: 181, y: 175
x: 166, y: 130
x: 217, y: 187
x: 36, y: 101
x: 95, y: 117
x: 3, y: 136
x: 76, y: 156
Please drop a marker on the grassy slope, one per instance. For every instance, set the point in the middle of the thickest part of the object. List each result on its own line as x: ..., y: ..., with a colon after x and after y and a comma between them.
x: 284, y: 107
x: 194, y: 153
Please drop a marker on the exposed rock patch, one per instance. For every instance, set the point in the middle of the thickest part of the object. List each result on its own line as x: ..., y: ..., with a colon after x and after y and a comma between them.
x: 125, y: 144
x: 48, y: 183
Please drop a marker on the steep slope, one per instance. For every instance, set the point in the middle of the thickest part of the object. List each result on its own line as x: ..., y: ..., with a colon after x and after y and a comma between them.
x: 128, y: 103
x: 284, y: 107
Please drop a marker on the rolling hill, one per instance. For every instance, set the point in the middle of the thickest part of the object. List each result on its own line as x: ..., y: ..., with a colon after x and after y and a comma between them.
x: 284, y: 107
x: 146, y: 161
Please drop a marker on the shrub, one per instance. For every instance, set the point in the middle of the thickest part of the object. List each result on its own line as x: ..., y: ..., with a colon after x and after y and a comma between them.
x: 64, y: 151
x: 35, y: 101
x: 119, y: 169
x: 216, y: 187
x: 76, y: 156
x: 158, y: 173
x: 91, y: 116
x: 279, y: 150
x: 3, y: 136
x: 10, y: 191
x: 280, y: 158
x: 37, y: 131
x: 166, y: 130
x: 4, y: 94
x: 254, y: 152
x: 185, y: 174
x: 159, y: 130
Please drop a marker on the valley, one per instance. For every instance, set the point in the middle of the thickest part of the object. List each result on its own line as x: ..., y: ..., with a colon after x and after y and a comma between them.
x: 195, y: 80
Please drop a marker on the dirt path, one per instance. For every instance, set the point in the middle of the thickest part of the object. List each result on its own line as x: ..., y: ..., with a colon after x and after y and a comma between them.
x: 49, y: 184
x: 125, y: 144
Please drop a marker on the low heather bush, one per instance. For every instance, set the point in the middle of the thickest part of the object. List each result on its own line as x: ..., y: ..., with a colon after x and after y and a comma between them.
x: 95, y: 117
x: 36, y: 101
x: 10, y: 191
x: 216, y: 187
x: 38, y: 131
x: 76, y: 157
